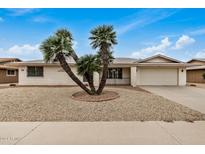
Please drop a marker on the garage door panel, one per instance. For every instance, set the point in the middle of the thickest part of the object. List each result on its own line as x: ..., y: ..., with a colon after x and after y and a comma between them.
x: 158, y: 76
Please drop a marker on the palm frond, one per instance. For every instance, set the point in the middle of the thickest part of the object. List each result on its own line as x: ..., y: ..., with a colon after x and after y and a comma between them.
x: 103, y: 34
x: 61, y: 41
x: 89, y: 64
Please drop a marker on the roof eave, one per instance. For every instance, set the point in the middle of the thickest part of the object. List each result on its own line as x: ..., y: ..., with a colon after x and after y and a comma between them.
x: 38, y: 64
x: 163, y: 64
x: 200, y: 60
x: 8, y: 67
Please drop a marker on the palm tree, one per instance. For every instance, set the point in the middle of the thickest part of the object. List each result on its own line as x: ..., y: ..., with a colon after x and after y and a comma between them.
x: 103, y: 38
x: 57, y: 47
x: 89, y: 64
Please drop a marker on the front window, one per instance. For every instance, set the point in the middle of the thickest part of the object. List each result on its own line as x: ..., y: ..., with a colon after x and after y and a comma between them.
x: 11, y: 73
x: 35, y: 71
x: 114, y: 73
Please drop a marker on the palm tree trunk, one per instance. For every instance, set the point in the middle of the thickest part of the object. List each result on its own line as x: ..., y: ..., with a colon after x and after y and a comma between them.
x: 88, y: 76
x: 90, y: 82
x: 105, y: 59
x: 103, y: 79
x: 68, y: 70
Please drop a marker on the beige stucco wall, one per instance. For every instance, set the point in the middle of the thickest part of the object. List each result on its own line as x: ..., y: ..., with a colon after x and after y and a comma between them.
x: 133, y: 75
x: 52, y: 76
x: 96, y: 78
x: 182, y: 76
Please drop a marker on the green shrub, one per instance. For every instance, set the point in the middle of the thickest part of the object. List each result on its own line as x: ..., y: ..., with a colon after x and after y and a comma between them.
x: 203, y: 76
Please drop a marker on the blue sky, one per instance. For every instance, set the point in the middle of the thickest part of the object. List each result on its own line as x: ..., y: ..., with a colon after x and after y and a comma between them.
x: 179, y: 33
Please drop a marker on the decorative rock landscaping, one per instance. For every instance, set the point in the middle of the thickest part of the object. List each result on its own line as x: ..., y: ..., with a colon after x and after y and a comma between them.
x: 57, y: 104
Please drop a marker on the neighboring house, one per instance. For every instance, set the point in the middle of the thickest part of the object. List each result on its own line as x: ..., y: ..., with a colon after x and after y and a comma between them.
x: 195, y: 73
x: 155, y: 70
x: 8, y: 74
x: 8, y: 60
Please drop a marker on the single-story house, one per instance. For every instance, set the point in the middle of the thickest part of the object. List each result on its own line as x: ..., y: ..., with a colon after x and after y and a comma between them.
x: 8, y: 74
x: 195, y: 73
x: 155, y: 70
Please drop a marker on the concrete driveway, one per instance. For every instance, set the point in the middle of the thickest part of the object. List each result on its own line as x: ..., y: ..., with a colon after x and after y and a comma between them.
x: 192, y: 97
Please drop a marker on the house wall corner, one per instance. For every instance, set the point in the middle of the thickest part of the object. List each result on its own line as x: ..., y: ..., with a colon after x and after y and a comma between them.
x: 96, y: 78
x: 181, y: 76
x: 133, y: 76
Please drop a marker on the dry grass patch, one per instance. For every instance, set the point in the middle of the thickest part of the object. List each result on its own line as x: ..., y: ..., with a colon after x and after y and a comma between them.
x: 56, y: 104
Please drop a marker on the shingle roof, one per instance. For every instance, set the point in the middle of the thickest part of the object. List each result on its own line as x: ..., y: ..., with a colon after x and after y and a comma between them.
x: 203, y: 59
x: 7, y: 67
x: 196, y: 67
x: 3, y: 60
x: 124, y: 60
x: 117, y: 61
x: 70, y: 60
x: 197, y: 59
x: 34, y: 61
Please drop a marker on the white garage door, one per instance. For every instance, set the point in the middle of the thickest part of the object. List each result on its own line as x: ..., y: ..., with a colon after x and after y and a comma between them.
x: 158, y: 76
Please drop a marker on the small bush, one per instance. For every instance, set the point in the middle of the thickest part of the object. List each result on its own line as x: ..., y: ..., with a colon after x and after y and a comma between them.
x: 203, y: 76
x: 12, y: 85
x: 189, y: 120
x: 168, y: 120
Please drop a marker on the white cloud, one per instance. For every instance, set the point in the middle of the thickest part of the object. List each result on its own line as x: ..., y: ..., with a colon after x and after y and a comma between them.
x: 23, y: 49
x: 42, y: 19
x: 20, y: 12
x: 184, y: 40
x: 156, y: 49
x: 24, y: 52
x: 160, y: 47
x: 200, y: 54
x: 146, y: 17
x: 198, y: 32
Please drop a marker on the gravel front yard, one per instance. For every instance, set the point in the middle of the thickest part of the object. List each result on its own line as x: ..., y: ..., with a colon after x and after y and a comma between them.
x: 56, y: 104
